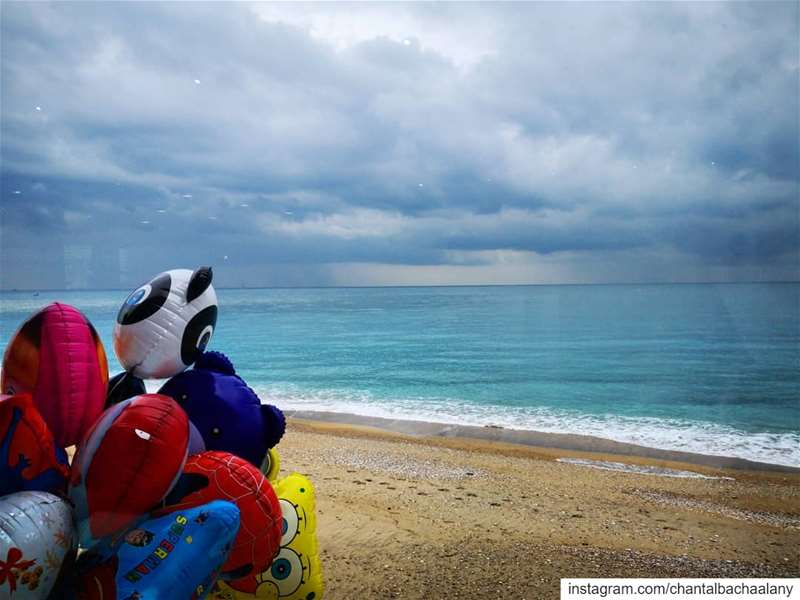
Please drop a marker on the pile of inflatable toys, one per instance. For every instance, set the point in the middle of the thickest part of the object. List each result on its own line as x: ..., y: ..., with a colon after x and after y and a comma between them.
x: 172, y: 495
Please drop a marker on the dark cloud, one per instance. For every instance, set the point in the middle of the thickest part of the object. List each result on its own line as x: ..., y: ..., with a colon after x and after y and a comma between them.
x: 302, y: 143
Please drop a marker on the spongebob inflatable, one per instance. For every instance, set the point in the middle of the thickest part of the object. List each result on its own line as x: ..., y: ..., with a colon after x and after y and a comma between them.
x: 271, y: 465
x: 296, y: 573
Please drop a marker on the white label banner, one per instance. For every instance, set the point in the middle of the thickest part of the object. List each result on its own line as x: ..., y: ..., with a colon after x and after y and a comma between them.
x: 680, y: 589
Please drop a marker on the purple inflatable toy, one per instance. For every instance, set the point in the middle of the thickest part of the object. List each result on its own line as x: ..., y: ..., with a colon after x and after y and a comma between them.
x: 226, y: 412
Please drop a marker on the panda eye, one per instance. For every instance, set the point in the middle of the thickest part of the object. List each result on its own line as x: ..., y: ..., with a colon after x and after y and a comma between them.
x: 205, y: 336
x: 198, y: 333
x: 287, y: 571
x: 145, y: 301
x: 290, y: 523
x: 139, y: 295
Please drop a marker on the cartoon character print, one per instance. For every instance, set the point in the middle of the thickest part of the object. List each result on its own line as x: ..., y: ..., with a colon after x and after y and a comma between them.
x: 17, y: 477
x: 291, y: 568
x: 11, y: 476
x: 295, y: 573
x: 139, y: 537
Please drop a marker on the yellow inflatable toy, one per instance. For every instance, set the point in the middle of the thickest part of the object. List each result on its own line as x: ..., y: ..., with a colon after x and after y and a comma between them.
x: 271, y: 465
x: 296, y: 572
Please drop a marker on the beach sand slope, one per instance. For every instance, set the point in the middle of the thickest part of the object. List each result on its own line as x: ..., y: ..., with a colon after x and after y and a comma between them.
x: 404, y: 516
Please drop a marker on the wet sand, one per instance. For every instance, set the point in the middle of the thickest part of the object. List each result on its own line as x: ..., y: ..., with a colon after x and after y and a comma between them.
x: 561, y: 441
x: 434, y: 516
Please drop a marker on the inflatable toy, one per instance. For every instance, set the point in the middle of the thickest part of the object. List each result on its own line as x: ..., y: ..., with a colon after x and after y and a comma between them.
x: 196, y: 443
x: 123, y: 386
x: 228, y: 414
x: 174, y: 556
x: 296, y: 573
x: 127, y: 463
x: 166, y: 323
x: 58, y: 358
x: 271, y: 465
x: 36, y: 537
x: 223, y: 476
x: 29, y: 459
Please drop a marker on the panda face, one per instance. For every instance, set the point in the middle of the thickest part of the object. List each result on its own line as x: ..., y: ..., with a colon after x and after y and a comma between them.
x: 166, y: 323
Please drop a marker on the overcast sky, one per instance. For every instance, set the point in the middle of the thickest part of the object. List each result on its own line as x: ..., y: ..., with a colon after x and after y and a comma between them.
x: 372, y: 144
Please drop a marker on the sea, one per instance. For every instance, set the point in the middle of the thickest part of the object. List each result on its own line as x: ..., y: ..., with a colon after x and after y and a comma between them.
x: 707, y: 368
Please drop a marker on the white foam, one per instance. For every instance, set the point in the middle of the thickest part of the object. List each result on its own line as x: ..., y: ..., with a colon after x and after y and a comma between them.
x: 607, y: 465
x: 667, y: 434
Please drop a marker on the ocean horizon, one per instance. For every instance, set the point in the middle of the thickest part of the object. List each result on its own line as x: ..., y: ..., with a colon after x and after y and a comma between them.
x: 710, y: 368
x: 416, y: 285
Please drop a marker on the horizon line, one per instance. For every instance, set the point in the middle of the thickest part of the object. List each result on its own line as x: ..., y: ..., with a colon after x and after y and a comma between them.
x: 430, y: 285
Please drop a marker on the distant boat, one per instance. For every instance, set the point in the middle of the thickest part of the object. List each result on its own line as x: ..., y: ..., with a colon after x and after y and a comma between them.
x: 35, y: 294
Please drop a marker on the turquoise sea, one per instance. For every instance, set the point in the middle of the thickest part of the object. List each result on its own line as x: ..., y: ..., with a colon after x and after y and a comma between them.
x: 710, y: 368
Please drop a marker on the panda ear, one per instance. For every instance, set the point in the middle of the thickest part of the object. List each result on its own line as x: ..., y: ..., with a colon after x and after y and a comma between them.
x: 198, y: 283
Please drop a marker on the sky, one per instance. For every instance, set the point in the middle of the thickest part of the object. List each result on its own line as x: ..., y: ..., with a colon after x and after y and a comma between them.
x: 292, y: 144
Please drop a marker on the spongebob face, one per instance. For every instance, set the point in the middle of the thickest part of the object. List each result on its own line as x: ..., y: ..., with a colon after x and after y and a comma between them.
x: 295, y: 573
x: 287, y: 573
x: 294, y: 517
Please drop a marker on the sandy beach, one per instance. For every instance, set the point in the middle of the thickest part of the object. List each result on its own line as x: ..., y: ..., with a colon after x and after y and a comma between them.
x: 422, y: 516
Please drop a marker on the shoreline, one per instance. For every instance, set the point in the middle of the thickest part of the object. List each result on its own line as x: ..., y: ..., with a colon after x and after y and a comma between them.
x: 550, y: 443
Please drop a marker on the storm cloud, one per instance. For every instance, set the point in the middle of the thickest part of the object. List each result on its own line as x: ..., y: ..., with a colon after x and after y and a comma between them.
x: 392, y: 143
